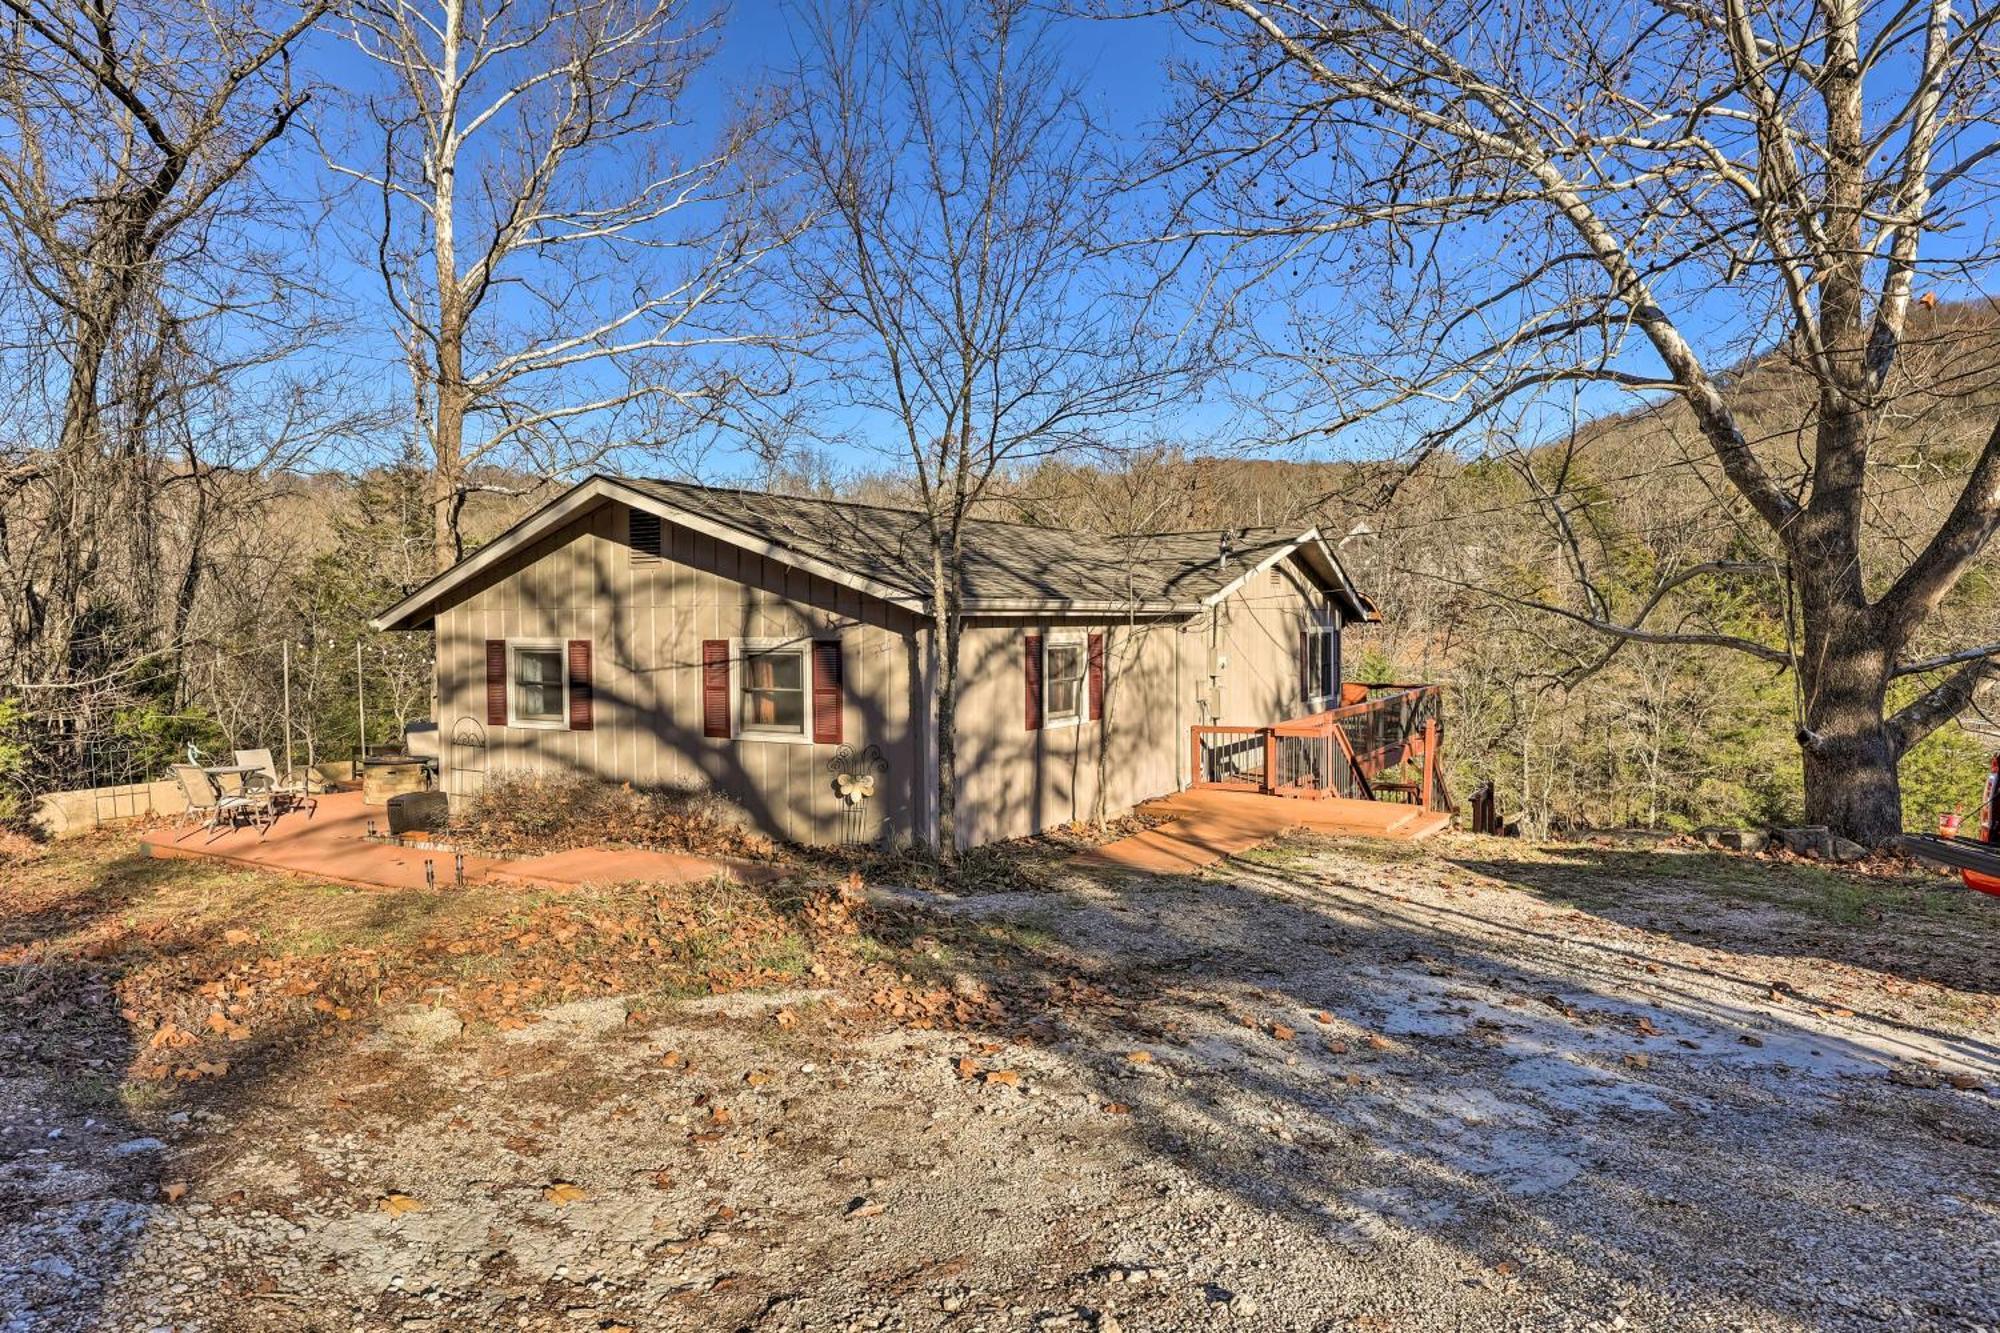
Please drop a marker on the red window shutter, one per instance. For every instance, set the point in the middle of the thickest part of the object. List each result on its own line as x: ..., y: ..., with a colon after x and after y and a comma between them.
x: 1034, y: 667
x: 496, y: 682
x: 580, y: 717
x: 1095, y: 651
x: 829, y: 701
x: 715, y: 687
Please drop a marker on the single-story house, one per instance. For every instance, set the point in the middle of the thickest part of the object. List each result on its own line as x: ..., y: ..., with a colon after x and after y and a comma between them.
x: 779, y: 649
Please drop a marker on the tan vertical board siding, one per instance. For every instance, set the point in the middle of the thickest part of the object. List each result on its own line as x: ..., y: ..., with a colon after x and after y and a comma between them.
x: 1014, y: 782
x: 1261, y: 640
x: 646, y: 624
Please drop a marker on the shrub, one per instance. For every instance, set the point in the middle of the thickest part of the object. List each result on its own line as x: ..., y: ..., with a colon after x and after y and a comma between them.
x: 541, y: 812
x: 14, y: 785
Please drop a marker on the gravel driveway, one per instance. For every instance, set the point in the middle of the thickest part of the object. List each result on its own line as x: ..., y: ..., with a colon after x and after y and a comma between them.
x: 1319, y: 1088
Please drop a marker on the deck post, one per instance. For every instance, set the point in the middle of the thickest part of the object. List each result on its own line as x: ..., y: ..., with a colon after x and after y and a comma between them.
x: 1270, y: 759
x: 1430, y: 762
x: 1196, y: 774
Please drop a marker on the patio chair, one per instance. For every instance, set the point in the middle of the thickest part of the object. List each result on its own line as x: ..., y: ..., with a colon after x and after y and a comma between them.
x: 207, y: 801
x: 291, y: 792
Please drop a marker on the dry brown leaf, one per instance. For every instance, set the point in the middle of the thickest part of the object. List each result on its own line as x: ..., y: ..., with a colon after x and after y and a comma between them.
x: 562, y: 1194
x: 1140, y: 1057
x: 173, y: 1191
x: 1322, y: 1016
x: 967, y: 1067
x: 1281, y: 1032
x: 238, y: 936
x: 1004, y: 1077
x: 395, y: 1205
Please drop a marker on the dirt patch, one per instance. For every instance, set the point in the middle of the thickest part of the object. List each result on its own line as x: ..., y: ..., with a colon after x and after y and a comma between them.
x: 1312, y: 1089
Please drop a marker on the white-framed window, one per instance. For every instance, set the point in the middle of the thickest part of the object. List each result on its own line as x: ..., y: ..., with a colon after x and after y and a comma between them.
x: 537, y: 683
x: 1322, y: 663
x: 773, y: 689
x: 1065, y: 670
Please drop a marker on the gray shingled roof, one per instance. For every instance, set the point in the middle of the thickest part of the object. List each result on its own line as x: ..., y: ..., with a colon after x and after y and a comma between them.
x: 1010, y: 567
x: 1004, y: 561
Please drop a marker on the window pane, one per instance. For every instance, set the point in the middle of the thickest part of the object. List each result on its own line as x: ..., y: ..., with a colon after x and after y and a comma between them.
x: 538, y: 665
x: 538, y: 692
x: 1065, y: 685
x: 774, y: 670
x: 774, y: 697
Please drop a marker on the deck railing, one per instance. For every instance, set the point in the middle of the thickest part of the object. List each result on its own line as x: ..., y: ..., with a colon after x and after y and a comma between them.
x: 1346, y: 751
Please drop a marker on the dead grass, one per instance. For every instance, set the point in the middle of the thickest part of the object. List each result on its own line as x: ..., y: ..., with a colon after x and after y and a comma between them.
x: 157, y: 974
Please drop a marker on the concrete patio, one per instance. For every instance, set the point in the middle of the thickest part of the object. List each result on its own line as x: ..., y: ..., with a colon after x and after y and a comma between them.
x: 332, y: 843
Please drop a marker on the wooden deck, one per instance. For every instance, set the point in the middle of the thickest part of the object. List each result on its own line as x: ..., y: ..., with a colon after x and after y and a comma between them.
x: 1208, y: 824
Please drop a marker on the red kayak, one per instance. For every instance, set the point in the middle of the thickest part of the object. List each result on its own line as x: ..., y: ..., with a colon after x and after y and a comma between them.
x: 1977, y: 860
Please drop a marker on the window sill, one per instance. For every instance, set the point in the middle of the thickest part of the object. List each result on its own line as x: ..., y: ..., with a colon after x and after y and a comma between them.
x: 1058, y: 723
x: 553, y: 724
x: 773, y: 738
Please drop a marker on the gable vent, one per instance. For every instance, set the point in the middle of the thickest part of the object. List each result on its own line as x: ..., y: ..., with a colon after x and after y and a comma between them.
x: 645, y: 540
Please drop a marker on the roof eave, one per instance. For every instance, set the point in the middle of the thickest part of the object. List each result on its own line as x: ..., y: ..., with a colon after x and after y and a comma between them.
x: 1312, y: 544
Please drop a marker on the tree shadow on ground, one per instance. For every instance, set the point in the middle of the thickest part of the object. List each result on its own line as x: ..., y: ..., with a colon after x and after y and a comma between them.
x: 1387, y: 1072
x: 79, y: 1176
x: 1922, y: 928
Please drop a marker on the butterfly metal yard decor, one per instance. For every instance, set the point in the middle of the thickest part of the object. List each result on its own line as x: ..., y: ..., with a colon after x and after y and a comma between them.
x: 855, y: 778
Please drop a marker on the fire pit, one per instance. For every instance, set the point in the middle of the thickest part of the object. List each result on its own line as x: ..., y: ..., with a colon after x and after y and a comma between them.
x: 386, y: 775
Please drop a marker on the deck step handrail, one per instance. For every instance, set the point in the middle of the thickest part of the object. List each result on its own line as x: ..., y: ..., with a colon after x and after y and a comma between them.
x: 1340, y: 751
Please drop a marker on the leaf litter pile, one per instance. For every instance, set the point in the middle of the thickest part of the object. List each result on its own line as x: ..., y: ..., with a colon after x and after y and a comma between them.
x: 167, y: 972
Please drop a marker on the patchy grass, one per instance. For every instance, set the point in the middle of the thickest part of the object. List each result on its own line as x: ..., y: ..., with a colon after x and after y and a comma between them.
x: 1880, y: 915
x: 1591, y: 877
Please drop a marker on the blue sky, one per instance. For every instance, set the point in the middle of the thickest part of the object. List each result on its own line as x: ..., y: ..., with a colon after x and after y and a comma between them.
x: 1122, y: 65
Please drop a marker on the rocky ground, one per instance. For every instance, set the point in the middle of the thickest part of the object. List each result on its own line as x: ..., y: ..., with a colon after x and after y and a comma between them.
x: 1472, y: 1085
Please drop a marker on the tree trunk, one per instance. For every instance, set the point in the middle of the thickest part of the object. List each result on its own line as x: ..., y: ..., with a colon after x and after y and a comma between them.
x: 945, y: 626
x: 1849, y: 751
x: 448, y: 457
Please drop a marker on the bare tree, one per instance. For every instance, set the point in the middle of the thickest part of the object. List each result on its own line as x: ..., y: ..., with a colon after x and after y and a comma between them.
x: 976, y: 324
x: 145, y: 310
x: 559, y: 256
x: 1498, y: 200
